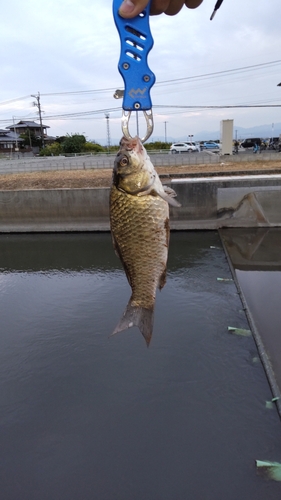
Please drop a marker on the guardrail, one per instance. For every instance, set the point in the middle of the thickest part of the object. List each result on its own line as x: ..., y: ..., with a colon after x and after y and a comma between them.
x: 24, y: 157
x: 85, y: 162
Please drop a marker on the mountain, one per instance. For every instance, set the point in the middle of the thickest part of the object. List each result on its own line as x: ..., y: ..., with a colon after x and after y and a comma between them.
x: 262, y: 131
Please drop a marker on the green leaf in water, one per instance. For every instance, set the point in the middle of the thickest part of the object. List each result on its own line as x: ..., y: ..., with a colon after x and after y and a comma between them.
x: 255, y: 359
x: 269, y: 405
x: 270, y: 470
x: 240, y: 331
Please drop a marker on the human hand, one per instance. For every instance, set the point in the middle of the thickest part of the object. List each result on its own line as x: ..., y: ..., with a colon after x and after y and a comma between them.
x: 131, y: 8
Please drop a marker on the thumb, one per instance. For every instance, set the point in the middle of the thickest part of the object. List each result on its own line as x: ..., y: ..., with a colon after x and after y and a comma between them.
x: 131, y: 8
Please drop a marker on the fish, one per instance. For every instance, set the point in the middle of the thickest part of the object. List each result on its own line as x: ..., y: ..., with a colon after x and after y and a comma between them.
x: 140, y: 229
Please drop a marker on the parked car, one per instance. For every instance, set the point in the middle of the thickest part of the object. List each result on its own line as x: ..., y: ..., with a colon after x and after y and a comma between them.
x: 250, y: 143
x: 183, y: 147
x: 197, y: 145
x: 211, y: 145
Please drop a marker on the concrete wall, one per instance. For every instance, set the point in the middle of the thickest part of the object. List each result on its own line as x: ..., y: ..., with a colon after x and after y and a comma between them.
x: 54, y: 210
x: 106, y: 161
x: 209, y: 203
x: 55, y: 163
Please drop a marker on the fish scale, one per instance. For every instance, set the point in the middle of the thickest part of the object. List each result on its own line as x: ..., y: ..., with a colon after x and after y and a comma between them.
x: 143, y: 247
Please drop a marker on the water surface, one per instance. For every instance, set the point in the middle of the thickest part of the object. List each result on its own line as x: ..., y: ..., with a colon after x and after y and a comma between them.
x: 87, y: 417
x: 256, y: 257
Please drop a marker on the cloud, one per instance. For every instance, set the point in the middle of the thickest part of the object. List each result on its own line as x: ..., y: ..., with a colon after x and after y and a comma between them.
x: 65, y: 46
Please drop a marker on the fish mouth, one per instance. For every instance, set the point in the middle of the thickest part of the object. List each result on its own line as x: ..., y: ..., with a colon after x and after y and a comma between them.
x: 133, y: 144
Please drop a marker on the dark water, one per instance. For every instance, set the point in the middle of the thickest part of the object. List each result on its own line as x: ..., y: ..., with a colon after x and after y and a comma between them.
x: 262, y: 290
x: 87, y: 417
x: 256, y: 256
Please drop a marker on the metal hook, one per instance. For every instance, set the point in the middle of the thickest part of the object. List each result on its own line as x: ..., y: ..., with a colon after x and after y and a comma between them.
x: 149, y: 124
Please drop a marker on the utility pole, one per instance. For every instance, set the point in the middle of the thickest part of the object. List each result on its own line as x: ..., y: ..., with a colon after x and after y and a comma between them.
x: 137, y: 118
x: 108, y: 131
x: 37, y: 103
x: 165, y: 123
x: 30, y: 143
x: 16, y: 135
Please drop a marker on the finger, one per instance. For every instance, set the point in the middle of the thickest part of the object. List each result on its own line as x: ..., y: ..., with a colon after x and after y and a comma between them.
x: 159, y: 6
x: 174, y: 7
x: 193, y: 4
x: 131, y: 8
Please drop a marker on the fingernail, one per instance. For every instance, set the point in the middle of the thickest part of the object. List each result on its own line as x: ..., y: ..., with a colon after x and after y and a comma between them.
x: 126, y: 7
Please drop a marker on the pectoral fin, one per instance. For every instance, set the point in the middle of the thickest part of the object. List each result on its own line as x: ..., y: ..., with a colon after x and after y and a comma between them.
x: 168, y: 195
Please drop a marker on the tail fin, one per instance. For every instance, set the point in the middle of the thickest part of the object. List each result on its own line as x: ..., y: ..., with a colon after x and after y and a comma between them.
x: 137, y: 316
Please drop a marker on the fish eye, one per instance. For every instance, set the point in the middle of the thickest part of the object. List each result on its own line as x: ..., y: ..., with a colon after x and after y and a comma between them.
x: 124, y: 161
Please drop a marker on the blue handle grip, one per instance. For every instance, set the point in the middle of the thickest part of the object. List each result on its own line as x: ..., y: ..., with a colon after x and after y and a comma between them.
x: 136, y: 42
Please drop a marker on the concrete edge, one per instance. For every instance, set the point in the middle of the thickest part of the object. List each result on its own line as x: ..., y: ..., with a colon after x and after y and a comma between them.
x: 256, y: 335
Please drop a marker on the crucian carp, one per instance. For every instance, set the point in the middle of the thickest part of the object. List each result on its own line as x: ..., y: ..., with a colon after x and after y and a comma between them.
x: 139, y: 221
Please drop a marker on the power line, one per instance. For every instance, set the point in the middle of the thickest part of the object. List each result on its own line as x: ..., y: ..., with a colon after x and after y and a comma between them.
x: 174, y: 80
x: 223, y: 72
x: 3, y: 103
x: 88, y: 114
x: 82, y: 113
x: 159, y: 106
x: 75, y: 92
x: 219, y: 106
x: 159, y: 83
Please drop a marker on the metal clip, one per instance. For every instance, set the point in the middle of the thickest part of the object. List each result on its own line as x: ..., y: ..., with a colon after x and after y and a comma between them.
x: 118, y: 94
x: 125, y: 124
x: 136, y: 42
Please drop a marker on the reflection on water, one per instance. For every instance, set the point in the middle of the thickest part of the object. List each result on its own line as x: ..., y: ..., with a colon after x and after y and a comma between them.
x: 256, y: 257
x: 257, y: 249
x: 83, y: 416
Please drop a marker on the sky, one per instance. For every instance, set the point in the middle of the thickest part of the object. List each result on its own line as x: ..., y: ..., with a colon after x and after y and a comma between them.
x: 69, y: 52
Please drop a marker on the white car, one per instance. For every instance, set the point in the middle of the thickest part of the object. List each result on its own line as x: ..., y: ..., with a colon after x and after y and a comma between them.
x: 183, y: 147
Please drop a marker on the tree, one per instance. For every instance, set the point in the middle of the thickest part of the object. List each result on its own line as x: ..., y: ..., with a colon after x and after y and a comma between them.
x: 60, y: 138
x: 30, y: 140
x: 92, y: 147
x: 73, y: 143
x: 51, y: 150
x: 157, y: 145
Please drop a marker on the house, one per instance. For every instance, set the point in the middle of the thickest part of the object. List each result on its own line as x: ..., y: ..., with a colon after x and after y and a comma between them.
x: 26, y: 127
x: 9, y: 141
x: 29, y: 128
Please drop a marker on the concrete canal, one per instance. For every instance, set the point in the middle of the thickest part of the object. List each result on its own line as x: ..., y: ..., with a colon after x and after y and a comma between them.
x: 84, y: 416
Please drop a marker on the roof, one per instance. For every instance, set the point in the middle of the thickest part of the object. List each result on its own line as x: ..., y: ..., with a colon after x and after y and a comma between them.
x: 9, y: 136
x: 27, y: 124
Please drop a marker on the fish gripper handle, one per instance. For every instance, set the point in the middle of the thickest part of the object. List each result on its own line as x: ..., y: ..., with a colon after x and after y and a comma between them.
x: 136, y: 42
